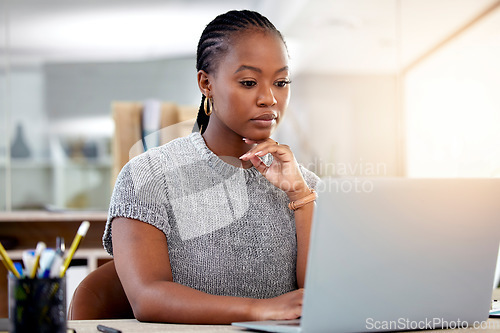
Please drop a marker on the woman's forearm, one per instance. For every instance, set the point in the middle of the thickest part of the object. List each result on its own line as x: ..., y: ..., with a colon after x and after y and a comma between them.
x: 303, y: 222
x: 166, y: 301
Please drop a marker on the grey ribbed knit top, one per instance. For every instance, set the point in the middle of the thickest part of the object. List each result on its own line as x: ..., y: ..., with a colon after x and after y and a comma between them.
x: 229, y: 230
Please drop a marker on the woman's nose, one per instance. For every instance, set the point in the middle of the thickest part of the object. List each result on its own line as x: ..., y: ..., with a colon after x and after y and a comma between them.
x: 266, y: 97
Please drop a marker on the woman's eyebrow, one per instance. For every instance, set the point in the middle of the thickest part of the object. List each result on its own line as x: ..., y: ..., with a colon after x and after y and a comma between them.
x: 282, y: 69
x: 258, y: 70
x: 244, y: 67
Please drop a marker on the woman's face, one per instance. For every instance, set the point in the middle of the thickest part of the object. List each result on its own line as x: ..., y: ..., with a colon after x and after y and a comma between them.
x: 250, y: 88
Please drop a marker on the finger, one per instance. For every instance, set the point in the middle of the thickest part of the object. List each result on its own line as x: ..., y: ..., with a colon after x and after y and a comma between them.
x: 280, y: 152
x: 264, y: 148
x: 258, y: 145
x: 251, y: 142
x: 259, y: 165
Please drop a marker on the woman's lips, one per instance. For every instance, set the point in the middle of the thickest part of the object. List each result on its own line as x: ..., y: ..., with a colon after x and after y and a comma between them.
x: 265, y: 120
x: 265, y: 116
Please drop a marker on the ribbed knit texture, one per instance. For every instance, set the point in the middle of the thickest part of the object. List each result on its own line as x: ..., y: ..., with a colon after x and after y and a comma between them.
x: 229, y: 230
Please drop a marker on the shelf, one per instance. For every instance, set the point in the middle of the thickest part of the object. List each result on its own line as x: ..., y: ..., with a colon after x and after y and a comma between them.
x: 48, y: 164
x: 91, y: 255
x: 29, y: 164
x: 44, y: 216
x: 26, y: 228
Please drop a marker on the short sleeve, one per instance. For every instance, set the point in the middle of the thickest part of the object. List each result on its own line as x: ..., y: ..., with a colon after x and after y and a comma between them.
x: 140, y: 193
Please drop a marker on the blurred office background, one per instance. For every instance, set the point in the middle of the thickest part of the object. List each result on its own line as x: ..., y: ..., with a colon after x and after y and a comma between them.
x: 380, y: 87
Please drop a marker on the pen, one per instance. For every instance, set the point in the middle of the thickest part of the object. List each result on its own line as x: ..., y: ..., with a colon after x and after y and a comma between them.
x: 8, y: 262
x: 106, y: 329
x: 19, y: 268
x: 28, y: 261
x: 60, y: 246
x: 82, y: 231
x: 40, y: 247
x: 46, y: 261
x: 55, y: 268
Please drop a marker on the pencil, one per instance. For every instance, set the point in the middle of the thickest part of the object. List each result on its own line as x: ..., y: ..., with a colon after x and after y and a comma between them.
x: 8, y: 263
x: 82, y: 231
x: 40, y: 247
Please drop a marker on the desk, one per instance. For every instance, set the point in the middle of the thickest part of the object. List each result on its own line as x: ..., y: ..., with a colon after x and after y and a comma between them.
x: 134, y: 326
x: 496, y: 294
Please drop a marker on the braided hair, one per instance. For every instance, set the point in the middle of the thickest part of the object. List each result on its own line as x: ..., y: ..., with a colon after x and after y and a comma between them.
x: 214, y: 44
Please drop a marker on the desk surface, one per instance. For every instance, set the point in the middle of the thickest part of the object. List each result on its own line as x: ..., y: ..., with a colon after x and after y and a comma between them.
x: 496, y: 294
x: 134, y: 326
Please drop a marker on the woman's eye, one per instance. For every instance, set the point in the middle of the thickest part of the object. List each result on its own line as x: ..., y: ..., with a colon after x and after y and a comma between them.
x: 282, y: 83
x: 248, y: 83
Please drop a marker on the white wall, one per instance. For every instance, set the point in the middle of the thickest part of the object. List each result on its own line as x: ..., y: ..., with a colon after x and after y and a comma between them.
x: 347, y: 125
x: 453, y: 107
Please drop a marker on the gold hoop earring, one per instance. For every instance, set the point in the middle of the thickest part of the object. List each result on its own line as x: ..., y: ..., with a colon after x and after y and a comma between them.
x: 207, y: 106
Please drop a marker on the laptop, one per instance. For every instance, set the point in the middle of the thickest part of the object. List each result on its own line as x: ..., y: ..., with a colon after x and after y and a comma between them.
x: 399, y: 254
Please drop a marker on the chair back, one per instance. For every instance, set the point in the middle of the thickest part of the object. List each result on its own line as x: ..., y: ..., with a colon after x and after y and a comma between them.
x: 100, y: 296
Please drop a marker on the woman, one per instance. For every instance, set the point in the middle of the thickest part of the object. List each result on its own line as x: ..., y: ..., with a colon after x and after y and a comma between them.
x: 220, y: 242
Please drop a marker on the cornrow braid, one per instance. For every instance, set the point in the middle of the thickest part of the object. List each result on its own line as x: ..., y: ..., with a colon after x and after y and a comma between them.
x: 214, y: 44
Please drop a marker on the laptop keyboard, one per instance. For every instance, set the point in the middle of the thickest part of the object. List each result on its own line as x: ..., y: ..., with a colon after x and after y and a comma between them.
x: 291, y: 323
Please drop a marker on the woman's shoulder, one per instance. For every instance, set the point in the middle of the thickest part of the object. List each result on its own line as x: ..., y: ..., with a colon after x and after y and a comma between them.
x: 155, y: 160
x: 180, y: 145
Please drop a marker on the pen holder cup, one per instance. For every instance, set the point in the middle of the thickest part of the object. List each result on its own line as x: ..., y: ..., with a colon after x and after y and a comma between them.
x: 37, y: 305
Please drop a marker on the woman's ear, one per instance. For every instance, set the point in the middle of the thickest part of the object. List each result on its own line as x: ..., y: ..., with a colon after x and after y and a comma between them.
x: 204, y: 83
